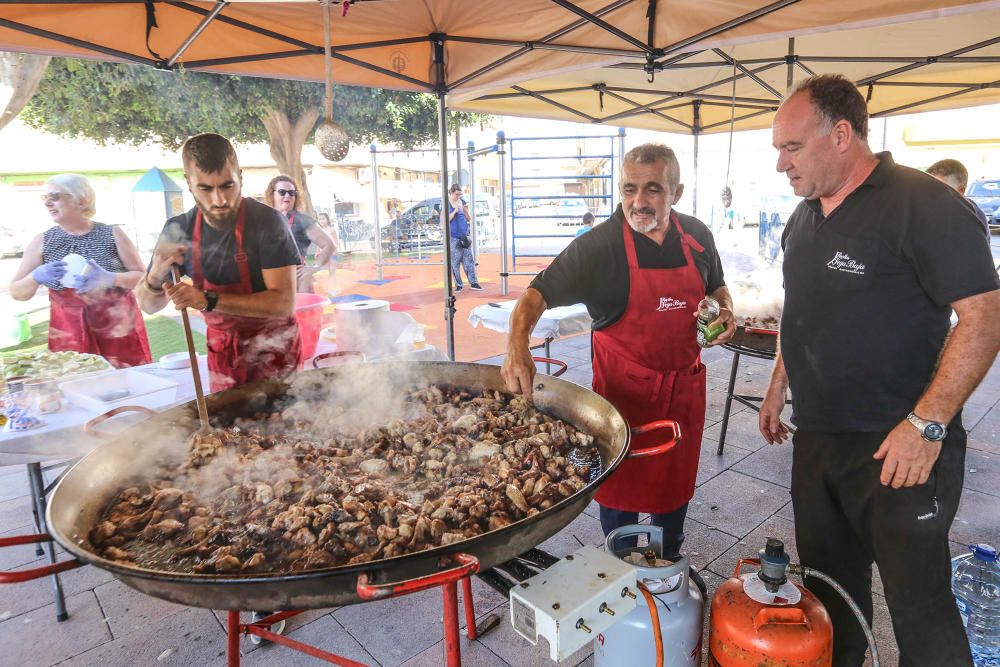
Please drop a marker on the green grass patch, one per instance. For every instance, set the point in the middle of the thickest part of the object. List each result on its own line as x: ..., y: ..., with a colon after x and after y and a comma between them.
x: 166, y: 335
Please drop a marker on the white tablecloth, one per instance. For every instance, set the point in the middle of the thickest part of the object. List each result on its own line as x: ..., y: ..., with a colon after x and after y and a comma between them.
x: 62, y: 435
x: 554, y: 322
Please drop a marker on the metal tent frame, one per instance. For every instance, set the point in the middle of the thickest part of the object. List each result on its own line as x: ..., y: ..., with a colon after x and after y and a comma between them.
x: 634, y: 53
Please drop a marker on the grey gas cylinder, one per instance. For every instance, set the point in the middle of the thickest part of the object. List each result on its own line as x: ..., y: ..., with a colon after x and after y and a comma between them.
x: 630, y: 641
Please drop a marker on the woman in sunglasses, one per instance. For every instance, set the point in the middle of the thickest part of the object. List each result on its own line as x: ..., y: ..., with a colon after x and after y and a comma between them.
x: 282, y: 194
x: 91, y: 306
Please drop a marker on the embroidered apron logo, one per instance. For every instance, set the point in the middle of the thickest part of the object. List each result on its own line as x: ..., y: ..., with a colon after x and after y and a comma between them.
x: 842, y: 262
x: 670, y: 303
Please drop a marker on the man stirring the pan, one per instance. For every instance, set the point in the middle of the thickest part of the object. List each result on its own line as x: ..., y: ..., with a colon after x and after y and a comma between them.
x: 241, y: 259
x: 641, y: 275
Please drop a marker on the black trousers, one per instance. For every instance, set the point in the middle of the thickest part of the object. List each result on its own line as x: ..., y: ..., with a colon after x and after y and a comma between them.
x: 672, y: 524
x: 845, y: 520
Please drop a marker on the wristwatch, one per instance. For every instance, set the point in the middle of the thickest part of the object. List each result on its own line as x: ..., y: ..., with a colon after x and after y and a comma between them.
x: 930, y: 431
x: 211, y: 298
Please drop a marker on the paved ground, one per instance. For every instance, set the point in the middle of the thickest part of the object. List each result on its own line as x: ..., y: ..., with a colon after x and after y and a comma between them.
x: 742, y: 498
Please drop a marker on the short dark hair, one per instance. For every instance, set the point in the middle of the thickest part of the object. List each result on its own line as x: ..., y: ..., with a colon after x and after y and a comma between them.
x: 588, y: 218
x: 836, y: 98
x: 209, y: 152
x: 455, y: 187
x: 950, y: 169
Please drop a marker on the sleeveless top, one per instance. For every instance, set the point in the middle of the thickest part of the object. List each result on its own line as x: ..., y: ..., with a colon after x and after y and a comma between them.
x: 98, y: 244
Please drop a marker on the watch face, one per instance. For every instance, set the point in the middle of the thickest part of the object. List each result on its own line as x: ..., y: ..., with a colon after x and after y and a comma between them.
x: 934, y: 431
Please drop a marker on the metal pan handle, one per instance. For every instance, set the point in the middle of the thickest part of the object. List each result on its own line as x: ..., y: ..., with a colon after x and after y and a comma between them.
x: 656, y: 450
x: 563, y: 366
x: 90, y: 427
x: 333, y: 355
x: 467, y: 566
x: 38, y: 572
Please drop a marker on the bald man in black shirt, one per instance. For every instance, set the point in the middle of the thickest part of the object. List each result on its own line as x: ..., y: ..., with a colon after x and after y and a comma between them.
x: 876, y: 257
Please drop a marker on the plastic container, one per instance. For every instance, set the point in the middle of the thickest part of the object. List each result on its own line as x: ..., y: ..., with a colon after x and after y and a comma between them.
x: 127, y: 386
x: 975, y: 581
x: 309, y: 315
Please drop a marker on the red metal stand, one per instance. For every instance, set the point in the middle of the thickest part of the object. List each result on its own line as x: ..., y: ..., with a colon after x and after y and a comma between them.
x: 447, y: 579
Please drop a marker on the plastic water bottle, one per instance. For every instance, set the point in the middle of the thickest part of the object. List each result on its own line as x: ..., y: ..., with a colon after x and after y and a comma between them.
x: 975, y: 582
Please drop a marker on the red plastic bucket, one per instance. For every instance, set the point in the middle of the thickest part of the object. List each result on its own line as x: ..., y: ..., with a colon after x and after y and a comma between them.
x: 309, y: 315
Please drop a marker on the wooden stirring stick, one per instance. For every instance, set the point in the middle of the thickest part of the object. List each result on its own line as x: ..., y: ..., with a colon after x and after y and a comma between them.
x: 195, y: 371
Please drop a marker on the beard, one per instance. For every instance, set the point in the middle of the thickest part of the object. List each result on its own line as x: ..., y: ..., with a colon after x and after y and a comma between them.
x: 219, y: 220
x: 643, y: 228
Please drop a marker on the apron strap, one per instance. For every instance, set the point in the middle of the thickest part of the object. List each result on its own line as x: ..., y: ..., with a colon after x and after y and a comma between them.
x: 241, y: 258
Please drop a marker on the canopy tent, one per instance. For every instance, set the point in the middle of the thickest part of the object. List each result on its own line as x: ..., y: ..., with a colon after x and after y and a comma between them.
x: 476, y: 49
x: 448, y: 46
x: 941, y: 61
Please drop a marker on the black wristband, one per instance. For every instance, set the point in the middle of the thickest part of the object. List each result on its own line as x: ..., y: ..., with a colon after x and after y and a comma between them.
x: 211, y: 299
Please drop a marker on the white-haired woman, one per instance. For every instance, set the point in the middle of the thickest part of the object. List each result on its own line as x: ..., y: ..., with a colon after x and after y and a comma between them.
x: 98, y: 313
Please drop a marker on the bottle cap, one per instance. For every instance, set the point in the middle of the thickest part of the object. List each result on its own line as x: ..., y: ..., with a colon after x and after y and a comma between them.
x: 984, y: 552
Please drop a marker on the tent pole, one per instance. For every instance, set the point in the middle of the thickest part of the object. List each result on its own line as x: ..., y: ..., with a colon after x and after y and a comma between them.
x: 209, y: 17
x: 472, y: 196
x: 375, y: 213
x: 502, y: 154
x: 449, y: 296
x: 790, y: 76
x: 695, y: 131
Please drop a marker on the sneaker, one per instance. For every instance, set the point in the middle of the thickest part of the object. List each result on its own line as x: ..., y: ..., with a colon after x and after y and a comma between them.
x: 458, y: 288
x: 277, y: 628
x: 477, y: 287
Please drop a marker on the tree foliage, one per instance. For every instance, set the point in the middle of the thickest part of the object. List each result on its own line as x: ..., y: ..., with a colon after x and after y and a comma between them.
x: 134, y: 104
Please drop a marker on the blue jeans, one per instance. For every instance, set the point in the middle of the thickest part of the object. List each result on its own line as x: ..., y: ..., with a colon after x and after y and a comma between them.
x: 672, y: 524
x: 462, y: 257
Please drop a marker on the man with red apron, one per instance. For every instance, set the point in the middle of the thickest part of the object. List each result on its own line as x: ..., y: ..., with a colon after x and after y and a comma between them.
x: 241, y: 259
x: 641, y: 275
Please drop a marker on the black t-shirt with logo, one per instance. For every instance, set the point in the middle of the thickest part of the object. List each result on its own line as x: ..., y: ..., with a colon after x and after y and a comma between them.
x: 267, y: 241
x: 593, y: 269
x: 867, y: 294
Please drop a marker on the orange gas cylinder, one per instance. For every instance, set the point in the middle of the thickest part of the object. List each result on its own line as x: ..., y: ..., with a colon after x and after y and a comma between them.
x: 764, y: 620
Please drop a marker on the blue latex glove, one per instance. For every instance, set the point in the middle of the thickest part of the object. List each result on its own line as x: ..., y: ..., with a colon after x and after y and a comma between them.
x: 94, y: 278
x: 50, y: 272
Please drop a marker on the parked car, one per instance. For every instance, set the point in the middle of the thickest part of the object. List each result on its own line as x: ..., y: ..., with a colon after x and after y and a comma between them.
x: 420, y: 225
x: 986, y: 195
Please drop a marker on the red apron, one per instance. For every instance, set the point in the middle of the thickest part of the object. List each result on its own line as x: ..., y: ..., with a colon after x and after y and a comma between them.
x: 106, y: 322
x: 244, y: 349
x: 648, y: 365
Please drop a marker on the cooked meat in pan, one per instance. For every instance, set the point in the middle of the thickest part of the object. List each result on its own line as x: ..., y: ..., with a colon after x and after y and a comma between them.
x: 296, y: 490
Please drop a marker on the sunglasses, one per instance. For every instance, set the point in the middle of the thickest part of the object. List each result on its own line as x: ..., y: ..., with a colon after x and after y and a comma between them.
x: 53, y: 196
x: 287, y: 193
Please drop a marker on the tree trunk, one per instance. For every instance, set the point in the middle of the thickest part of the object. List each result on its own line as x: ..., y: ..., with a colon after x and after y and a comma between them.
x: 285, y: 140
x: 20, y: 74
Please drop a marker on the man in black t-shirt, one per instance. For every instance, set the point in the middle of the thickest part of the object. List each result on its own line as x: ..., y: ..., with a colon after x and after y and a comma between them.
x: 954, y: 174
x: 876, y: 257
x: 241, y: 259
x: 641, y: 275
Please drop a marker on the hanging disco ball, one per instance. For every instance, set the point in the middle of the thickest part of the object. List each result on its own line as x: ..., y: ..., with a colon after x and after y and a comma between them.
x: 332, y: 141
